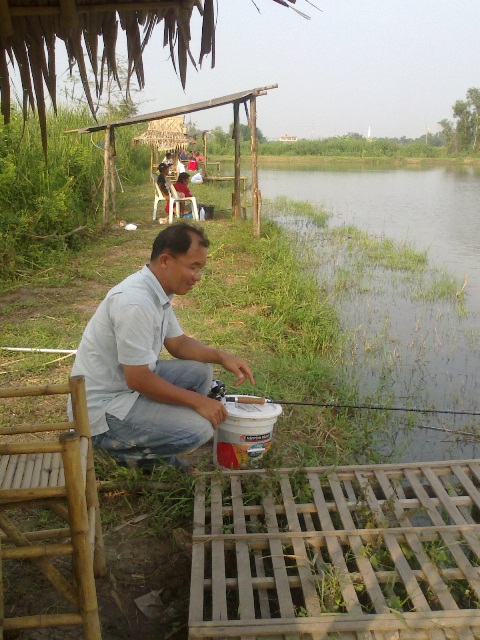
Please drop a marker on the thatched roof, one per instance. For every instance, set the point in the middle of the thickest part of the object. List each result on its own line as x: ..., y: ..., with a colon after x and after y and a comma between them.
x: 169, y: 134
x: 29, y: 30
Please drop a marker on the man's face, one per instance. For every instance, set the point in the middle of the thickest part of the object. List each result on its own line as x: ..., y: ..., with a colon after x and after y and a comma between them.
x: 180, y: 274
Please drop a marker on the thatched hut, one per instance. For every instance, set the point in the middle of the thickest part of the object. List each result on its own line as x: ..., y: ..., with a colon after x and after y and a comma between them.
x: 29, y: 30
x: 167, y: 134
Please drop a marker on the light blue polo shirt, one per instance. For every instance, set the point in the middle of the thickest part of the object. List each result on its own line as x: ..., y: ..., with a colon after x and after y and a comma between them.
x: 128, y: 328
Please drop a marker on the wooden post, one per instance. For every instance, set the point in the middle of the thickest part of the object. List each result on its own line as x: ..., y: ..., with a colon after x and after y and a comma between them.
x: 236, y: 181
x: 82, y: 560
x: 113, y: 173
x: 106, y: 175
x: 204, y: 140
x: 254, y: 152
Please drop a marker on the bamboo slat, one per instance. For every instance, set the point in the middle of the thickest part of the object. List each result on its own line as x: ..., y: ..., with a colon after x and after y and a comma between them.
x: 245, y: 590
x: 284, y: 595
x: 380, y: 537
x: 219, y: 589
x: 198, y: 556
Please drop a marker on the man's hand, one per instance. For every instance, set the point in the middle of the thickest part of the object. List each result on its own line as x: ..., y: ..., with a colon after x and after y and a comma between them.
x: 149, y: 384
x: 239, y: 367
x: 187, y: 348
x: 211, y: 409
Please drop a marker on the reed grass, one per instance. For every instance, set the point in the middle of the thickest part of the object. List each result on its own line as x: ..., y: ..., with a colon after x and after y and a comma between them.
x: 44, y: 200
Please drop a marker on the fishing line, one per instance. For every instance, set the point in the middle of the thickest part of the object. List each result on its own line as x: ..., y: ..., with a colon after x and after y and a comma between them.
x: 338, y: 405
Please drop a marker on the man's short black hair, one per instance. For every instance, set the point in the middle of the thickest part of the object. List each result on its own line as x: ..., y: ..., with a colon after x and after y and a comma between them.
x: 177, y: 239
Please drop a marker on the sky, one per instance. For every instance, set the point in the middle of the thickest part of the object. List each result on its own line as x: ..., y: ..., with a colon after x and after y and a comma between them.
x: 389, y: 67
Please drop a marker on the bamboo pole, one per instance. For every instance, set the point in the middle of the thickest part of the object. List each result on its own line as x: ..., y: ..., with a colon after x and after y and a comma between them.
x: 204, y: 140
x: 60, y: 583
x: 113, y: 173
x: 2, y: 614
x: 36, y: 428
x: 236, y: 181
x: 80, y: 412
x: 254, y: 152
x: 38, y: 551
x: 106, y: 175
x: 82, y: 560
x: 42, y: 621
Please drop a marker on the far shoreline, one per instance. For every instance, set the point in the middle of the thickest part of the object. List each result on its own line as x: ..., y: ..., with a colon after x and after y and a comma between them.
x: 372, y: 160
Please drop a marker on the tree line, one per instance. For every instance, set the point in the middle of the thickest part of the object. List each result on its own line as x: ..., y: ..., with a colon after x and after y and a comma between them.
x: 459, y: 136
x: 463, y: 133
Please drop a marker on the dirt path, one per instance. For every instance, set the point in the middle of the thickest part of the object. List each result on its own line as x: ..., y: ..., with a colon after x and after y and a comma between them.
x: 142, y: 560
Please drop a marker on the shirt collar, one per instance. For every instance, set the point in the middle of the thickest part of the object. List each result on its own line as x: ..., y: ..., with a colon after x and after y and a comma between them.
x: 157, y: 287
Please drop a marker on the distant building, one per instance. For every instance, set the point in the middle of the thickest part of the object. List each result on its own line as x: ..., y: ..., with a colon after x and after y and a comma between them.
x: 286, y: 138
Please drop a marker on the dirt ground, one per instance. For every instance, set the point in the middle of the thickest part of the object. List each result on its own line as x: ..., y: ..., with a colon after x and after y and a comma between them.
x: 138, y: 563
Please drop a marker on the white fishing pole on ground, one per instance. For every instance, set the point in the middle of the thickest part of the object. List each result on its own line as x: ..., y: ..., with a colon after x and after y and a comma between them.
x: 35, y: 350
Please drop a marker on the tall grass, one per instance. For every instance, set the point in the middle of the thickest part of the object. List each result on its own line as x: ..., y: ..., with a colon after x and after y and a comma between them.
x: 43, y: 200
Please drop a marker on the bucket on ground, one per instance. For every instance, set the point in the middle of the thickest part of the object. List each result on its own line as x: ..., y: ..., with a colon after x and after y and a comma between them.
x: 246, y: 435
x: 209, y: 209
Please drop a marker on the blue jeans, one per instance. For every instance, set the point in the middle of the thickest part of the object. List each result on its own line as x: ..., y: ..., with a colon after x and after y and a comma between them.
x: 153, y: 432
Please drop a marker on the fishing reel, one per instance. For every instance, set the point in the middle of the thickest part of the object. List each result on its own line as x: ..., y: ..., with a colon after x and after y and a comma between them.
x: 217, y: 390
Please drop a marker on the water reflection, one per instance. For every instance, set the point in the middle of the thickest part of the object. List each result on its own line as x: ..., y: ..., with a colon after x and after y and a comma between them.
x: 438, y: 209
x: 411, y: 352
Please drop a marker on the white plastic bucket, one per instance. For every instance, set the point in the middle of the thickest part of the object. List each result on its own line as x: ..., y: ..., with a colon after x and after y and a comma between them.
x: 246, y: 434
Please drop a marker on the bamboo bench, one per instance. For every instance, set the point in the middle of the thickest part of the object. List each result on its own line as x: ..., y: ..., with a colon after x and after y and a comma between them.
x: 58, y: 474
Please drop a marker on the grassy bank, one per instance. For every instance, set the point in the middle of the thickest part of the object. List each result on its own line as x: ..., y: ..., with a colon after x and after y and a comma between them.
x: 256, y: 299
x: 272, y: 299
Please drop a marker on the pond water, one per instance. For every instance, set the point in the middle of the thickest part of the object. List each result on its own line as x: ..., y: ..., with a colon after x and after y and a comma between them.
x: 414, y: 352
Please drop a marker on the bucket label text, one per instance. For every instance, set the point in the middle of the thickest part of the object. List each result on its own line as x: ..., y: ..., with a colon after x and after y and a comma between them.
x: 256, y: 438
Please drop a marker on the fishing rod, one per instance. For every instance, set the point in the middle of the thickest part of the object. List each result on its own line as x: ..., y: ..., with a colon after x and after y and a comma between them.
x: 218, y: 392
x: 338, y: 405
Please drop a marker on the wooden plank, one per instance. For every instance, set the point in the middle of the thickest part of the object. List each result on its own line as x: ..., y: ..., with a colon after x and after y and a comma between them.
x: 333, y: 546
x: 219, y: 592
x: 462, y: 562
x: 19, y: 469
x: 474, y: 467
x: 55, y: 466
x: 245, y: 588
x: 320, y: 537
x: 37, y: 470
x: 198, y: 555
x: 452, y: 510
x: 347, y: 472
x: 9, y: 471
x: 28, y: 474
x: 260, y: 580
x: 45, y: 470
x: 3, y: 466
x: 344, y: 623
x: 409, y: 580
x: 303, y: 562
x: 467, y: 484
x: 284, y: 595
x: 396, y: 503
x: 368, y: 574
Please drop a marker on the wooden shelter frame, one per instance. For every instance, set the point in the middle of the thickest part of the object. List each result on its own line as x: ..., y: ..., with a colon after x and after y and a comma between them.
x: 243, y: 97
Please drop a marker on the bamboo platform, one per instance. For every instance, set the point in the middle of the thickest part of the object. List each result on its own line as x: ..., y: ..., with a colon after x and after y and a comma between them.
x: 243, y: 180
x: 381, y: 552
